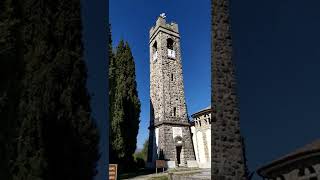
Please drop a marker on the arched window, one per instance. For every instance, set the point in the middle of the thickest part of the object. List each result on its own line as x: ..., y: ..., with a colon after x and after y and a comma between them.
x: 154, y: 50
x: 171, y: 52
x: 281, y: 177
x: 170, y: 43
x: 307, y: 173
x: 155, y: 46
x: 312, y: 173
x: 311, y: 170
x: 301, y: 172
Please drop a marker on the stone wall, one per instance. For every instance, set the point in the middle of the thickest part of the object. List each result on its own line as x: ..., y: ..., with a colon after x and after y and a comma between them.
x: 168, y: 106
x: 227, y: 156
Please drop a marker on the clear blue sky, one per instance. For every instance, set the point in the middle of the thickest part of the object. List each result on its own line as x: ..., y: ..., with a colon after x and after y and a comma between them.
x: 95, y: 21
x: 276, y: 51
x: 131, y: 21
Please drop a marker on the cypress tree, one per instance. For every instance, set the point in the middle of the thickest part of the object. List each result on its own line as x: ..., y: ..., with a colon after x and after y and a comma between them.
x: 145, y: 150
x: 124, y: 107
x: 112, y: 85
x: 10, y: 75
x: 117, y: 139
x: 132, y: 105
x: 57, y: 138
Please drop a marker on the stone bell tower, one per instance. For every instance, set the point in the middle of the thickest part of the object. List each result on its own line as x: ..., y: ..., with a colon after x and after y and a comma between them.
x: 170, y: 136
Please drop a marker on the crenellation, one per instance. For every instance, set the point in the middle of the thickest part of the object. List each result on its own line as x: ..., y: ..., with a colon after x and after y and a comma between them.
x: 163, y: 26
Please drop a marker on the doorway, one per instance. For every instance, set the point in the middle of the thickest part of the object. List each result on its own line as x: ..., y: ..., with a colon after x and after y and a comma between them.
x: 178, y: 148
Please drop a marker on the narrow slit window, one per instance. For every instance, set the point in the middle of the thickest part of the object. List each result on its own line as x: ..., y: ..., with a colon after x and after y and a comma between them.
x: 171, y: 77
x: 174, y: 111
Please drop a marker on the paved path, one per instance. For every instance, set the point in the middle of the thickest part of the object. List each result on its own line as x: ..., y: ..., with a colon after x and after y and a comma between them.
x: 203, y: 174
x: 195, y: 174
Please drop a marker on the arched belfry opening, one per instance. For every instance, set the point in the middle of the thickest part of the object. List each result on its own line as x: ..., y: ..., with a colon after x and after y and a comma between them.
x: 171, y: 52
x: 170, y: 43
x: 154, y: 47
x: 155, y: 50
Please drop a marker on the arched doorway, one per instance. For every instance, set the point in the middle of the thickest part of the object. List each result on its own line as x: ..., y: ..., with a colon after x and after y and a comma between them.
x: 179, y: 143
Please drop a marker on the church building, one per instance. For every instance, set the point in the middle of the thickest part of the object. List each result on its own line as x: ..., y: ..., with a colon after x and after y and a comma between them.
x: 201, y: 136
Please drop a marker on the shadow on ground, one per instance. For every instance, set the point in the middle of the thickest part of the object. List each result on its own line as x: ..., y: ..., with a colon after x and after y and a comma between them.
x: 140, y: 172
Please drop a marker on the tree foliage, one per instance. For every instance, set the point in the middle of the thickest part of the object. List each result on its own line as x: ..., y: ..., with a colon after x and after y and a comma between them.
x: 145, y: 150
x: 143, y: 153
x: 124, y: 105
x: 55, y: 135
x: 10, y: 76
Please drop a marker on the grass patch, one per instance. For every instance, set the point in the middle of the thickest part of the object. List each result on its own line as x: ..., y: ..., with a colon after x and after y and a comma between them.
x: 139, y: 172
x: 183, y: 169
x: 160, y: 178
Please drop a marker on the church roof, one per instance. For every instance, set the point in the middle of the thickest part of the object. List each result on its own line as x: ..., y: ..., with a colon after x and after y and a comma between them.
x: 209, y: 107
x: 313, y: 147
x: 204, y: 110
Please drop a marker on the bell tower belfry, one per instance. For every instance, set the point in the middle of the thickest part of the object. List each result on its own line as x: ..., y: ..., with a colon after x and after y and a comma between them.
x: 170, y: 136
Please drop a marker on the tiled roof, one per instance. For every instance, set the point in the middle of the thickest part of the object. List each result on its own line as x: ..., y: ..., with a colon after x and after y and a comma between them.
x: 204, y: 109
x: 315, y: 145
x: 307, y: 149
x: 209, y: 107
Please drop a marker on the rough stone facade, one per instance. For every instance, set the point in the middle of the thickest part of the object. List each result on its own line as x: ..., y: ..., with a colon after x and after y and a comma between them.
x: 169, y: 125
x: 227, y: 152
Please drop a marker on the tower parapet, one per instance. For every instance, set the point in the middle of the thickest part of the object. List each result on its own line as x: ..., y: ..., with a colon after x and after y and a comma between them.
x: 162, y: 23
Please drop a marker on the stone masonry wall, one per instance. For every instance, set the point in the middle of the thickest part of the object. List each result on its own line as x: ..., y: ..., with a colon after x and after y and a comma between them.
x: 227, y: 155
x: 168, y: 106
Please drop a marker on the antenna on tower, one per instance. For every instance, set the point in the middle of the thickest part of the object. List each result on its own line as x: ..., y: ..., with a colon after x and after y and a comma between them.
x: 163, y: 15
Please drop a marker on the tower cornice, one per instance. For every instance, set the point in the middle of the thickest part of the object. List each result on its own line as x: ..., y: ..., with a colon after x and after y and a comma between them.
x: 165, y: 30
x: 185, y: 124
